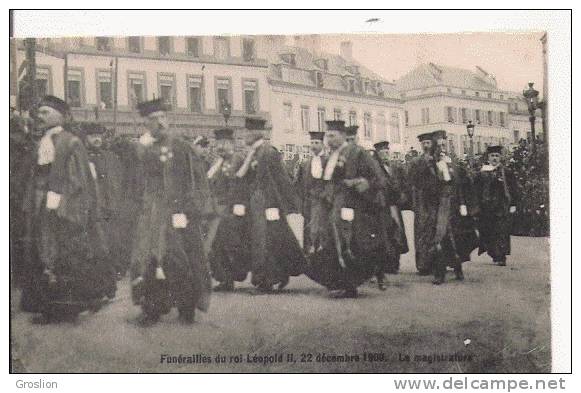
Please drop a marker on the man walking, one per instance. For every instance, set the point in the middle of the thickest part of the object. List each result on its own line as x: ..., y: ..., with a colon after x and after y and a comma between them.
x: 498, y: 195
x: 168, y: 267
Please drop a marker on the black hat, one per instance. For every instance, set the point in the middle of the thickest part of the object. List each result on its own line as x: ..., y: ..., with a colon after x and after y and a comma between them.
x: 381, y: 145
x: 255, y: 123
x: 55, y: 103
x: 147, y: 107
x: 426, y: 136
x: 201, y: 140
x: 494, y: 149
x: 439, y: 134
x: 351, y: 130
x: 91, y: 127
x: 335, y: 125
x: 317, y: 135
x: 224, y: 133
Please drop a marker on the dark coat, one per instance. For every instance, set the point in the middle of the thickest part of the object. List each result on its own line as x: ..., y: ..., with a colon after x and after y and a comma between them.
x: 361, y: 242
x: 276, y: 253
x: 171, y: 185
x: 68, y: 240
x: 497, y: 190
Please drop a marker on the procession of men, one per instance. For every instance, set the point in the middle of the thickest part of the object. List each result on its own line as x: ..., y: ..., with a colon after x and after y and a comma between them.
x: 87, y: 210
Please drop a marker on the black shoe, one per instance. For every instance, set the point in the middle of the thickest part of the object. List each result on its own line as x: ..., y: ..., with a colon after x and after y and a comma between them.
x: 438, y: 280
x: 187, y: 317
x: 281, y: 285
x: 381, y: 286
x: 146, y: 320
x: 344, y: 294
x: 500, y: 263
x: 227, y: 286
x: 459, y: 273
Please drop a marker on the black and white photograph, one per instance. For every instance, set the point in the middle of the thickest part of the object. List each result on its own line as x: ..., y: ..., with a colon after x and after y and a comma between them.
x: 349, y: 202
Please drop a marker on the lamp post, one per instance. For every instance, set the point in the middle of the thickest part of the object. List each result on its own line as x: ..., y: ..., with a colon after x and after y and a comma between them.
x: 470, y: 130
x: 532, y: 97
x: 226, y: 111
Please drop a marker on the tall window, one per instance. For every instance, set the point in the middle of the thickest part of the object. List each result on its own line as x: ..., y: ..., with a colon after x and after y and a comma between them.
x: 477, y: 94
x: 489, y: 95
x: 195, y: 84
x: 105, y: 90
x: 103, y: 44
x: 367, y: 125
x: 193, y: 46
x: 167, y: 90
x: 352, y: 118
x: 337, y: 114
x: 407, y: 118
x: 134, y: 44
x: 42, y: 81
x: 74, y: 88
x: 516, y: 135
x: 250, y: 96
x: 288, y: 117
x: 395, y: 129
x: 351, y: 85
x: 501, y: 119
x: 164, y: 45
x: 136, y: 89
x: 222, y: 92
x: 305, y: 115
x: 321, y: 119
x: 425, y: 115
x: 489, y: 118
x: 452, y: 144
x: 381, y: 127
x: 248, y: 50
x: 221, y: 48
x: 477, y: 116
x: 464, y: 113
x: 450, y: 114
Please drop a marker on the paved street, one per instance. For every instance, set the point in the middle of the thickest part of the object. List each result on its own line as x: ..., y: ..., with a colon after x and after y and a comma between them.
x: 411, y: 327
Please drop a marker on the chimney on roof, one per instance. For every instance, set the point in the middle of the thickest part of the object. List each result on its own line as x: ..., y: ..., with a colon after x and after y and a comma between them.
x: 310, y: 42
x: 347, y: 50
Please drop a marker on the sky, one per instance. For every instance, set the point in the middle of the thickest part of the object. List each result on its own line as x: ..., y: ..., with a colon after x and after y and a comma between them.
x: 514, y: 58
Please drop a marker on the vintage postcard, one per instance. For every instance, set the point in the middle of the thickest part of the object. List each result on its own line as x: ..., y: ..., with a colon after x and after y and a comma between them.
x: 281, y: 203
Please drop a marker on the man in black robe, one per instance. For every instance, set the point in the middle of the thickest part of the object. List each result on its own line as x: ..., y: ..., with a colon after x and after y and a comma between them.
x: 168, y: 265
x: 395, y: 197
x: 498, y: 195
x: 65, y: 246
x: 107, y: 172
x: 276, y: 253
x: 229, y: 233
x: 354, y: 239
x: 311, y: 185
x: 444, y: 234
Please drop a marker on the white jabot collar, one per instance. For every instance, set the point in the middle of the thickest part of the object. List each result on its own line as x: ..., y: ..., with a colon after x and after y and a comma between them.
x: 333, y: 158
x: 46, y: 149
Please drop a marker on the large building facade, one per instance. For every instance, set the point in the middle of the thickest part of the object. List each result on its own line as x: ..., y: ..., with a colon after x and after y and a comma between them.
x: 290, y: 81
x: 442, y: 97
x: 309, y: 86
x: 197, y: 75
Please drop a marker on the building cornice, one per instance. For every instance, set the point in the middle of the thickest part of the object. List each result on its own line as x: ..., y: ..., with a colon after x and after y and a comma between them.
x: 385, y: 100
x: 462, y: 97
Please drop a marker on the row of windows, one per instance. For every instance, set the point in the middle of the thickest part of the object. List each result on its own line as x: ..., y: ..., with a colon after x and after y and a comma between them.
x: 477, y: 116
x: 350, y: 119
x: 464, y: 115
x: 463, y: 92
x: 136, y: 84
x: 193, y: 46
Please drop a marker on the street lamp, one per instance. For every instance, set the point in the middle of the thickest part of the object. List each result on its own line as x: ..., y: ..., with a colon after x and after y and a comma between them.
x: 226, y: 111
x: 470, y: 130
x: 532, y: 97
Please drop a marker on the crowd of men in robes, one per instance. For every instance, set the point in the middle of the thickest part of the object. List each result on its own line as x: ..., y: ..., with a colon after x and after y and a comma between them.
x: 85, y: 210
